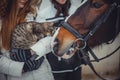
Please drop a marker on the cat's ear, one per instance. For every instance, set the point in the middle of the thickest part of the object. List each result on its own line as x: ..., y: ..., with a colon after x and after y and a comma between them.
x: 50, y: 23
x: 29, y: 28
x: 47, y: 24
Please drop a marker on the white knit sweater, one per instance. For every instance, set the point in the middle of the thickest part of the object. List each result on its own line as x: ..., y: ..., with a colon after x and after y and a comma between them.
x: 47, y: 10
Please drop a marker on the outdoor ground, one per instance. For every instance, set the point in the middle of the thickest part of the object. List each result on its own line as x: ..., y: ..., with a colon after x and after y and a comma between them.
x: 108, y: 76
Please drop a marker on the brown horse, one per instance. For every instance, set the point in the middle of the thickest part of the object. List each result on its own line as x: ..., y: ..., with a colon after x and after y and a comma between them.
x: 93, y: 23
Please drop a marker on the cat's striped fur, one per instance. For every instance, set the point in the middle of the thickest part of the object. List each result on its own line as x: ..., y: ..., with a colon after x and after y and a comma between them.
x: 28, y: 33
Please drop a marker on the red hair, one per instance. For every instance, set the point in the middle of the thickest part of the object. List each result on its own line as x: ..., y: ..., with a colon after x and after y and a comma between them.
x: 13, y: 16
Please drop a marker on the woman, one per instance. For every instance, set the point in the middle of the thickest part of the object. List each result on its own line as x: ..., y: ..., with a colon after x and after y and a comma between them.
x: 56, y: 11
x: 14, y: 12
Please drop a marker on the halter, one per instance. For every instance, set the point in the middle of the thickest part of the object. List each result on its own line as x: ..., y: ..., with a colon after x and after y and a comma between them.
x: 85, y: 50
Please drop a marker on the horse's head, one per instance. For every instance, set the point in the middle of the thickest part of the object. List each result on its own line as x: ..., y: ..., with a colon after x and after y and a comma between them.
x: 86, y: 17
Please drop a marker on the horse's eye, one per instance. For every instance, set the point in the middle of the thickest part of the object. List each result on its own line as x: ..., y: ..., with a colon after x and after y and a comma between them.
x: 96, y: 5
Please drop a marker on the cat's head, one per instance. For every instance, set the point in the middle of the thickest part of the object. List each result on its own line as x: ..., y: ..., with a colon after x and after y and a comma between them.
x: 40, y: 30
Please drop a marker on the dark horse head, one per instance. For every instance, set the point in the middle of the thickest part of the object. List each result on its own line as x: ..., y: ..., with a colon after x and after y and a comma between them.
x: 97, y: 19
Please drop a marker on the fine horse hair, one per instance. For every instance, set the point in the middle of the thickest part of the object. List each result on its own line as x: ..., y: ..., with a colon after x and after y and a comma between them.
x: 28, y: 33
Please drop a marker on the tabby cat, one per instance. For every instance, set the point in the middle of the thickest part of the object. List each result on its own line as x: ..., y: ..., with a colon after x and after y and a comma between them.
x: 28, y: 33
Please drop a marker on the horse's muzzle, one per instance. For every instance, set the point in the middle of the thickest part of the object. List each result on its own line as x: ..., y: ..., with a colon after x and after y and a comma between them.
x: 66, y: 53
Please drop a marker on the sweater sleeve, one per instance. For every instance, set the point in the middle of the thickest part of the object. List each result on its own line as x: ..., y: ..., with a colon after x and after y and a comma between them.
x: 10, y: 67
x: 43, y: 46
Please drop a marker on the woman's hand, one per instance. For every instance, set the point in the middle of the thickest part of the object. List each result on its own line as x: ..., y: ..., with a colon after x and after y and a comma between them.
x: 43, y: 46
x: 29, y: 58
x: 20, y: 55
x: 32, y: 63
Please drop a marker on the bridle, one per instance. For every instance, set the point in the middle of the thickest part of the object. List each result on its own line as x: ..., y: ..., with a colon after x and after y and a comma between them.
x: 96, y: 25
x: 85, y: 49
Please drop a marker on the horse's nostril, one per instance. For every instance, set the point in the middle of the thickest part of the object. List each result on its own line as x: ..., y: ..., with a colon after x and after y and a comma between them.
x: 55, y: 48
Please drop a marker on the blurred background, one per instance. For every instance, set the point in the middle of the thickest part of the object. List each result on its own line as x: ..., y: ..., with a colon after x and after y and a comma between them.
x: 109, y: 67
